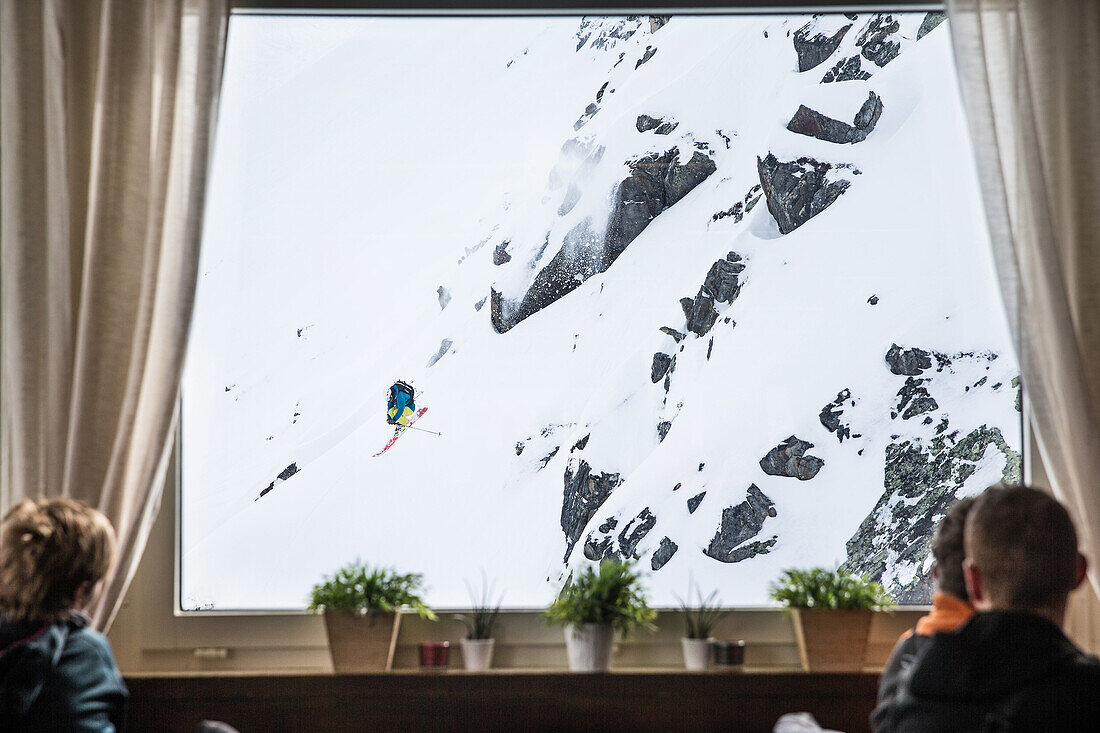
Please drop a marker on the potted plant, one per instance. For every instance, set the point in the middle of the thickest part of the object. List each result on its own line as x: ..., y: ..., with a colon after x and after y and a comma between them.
x: 831, y: 612
x: 477, y: 646
x: 362, y: 609
x: 699, y: 622
x: 593, y: 605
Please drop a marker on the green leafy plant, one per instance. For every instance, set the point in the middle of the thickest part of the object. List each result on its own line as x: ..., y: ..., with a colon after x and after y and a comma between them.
x: 824, y: 588
x: 484, y: 612
x: 357, y: 588
x: 700, y: 618
x: 611, y: 594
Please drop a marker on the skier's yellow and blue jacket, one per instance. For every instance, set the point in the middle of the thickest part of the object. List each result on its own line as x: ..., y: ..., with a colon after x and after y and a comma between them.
x: 400, y: 406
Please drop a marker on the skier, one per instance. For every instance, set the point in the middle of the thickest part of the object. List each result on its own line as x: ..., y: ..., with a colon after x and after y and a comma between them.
x: 400, y: 406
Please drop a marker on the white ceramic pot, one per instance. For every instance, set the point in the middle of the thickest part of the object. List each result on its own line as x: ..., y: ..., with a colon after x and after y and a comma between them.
x: 697, y: 653
x: 477, y: 654
x: 589, y: 647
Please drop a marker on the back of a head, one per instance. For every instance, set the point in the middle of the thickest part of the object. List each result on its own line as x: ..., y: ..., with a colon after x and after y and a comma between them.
x: 949, y: 551
x: 1024, y: 543
x: 48, y: 550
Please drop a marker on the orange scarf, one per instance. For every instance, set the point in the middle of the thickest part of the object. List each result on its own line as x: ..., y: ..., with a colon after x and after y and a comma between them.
x: 948, y: 613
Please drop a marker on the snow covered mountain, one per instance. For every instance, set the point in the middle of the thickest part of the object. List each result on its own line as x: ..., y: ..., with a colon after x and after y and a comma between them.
x: 713, y: 293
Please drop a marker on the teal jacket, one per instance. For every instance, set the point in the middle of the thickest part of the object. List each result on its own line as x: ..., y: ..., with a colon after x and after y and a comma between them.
x: 59, y: 677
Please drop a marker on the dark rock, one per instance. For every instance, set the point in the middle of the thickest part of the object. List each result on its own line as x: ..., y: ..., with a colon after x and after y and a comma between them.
x: 931, y: 20
x: 660, y: 126
x: 908, y: 362
x: 500, y: 254
x: 812, y: 50
x: 721, y: 282
x: 649, y: 51
x: 752, y: 550
x: 634, y: 532
x: 919, y: 484
x: 520, y: 445
x: 740, y: 523
x: 662, y: 365
x: 1019, y: 394
x: 269, y: 487
x: 599, y: 94
x: 288, y: 472
x: 687, y: 304
x: 914, y: 399
x: 695, y: 501
x: 609, y: 524
x: 444, y: 345
x: 736, y: 211
x: 797, y: 190
x: 814, y: 124
x: 789, y: 459
x: 873, y: 300
x: 868, y: 114
x: 662, y: 429
x: 831, y: 414
x: 549, y: 457
x: 585, y: 492
x: 875, y: 39
x: 676, y: 335
x: 703, y: 315
x: 496, y: 312
x: 849, y: 69
x: 656, y: 23
x: 444, y: 297
x: 478, y: 305
x: 710, y: 347
x: 580, y: 444
x: 598, y: 550
x: 680, y: 180
x: 663, y: 554
x: 589, y: 112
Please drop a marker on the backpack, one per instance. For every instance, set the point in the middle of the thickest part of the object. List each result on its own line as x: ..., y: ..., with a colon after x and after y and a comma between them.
x: 403, y: 387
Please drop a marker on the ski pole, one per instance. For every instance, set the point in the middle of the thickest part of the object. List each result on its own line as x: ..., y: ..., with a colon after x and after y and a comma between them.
x: 423, y: 430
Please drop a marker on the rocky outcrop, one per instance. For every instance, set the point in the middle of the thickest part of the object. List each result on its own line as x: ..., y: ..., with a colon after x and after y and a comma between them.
x: 589, y: 112
x: 694, y: 502
x: 721, y: 282
x: 831, y: 415
x: 875, y: 42
x: 655, y: 183
x: 662, y: 365
x: 913, y: 400
x: 814, y: 124
x: 649, y: 51
x: 789, y: 459
x: 662, y: 429
x: 601, y: 545
x: 813, y: 49
x: 849, y: 69
x: 930, y: 22
x: 657, y: 22
x: 700, y: 313
x: 444, y: 345
x: 908, y: 362
x: 797, y: 190
x: 920, y: 482
x: 660, y: 126
x: 585, y: 492
x: 663, y: 554
x: 741, y: 523
x: 500, y: 253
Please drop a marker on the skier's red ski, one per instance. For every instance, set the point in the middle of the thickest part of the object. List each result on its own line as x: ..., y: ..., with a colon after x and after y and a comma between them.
x: 400, y: 431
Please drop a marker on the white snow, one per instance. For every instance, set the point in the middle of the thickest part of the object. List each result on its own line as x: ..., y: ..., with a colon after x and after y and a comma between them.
x: 361, y: 164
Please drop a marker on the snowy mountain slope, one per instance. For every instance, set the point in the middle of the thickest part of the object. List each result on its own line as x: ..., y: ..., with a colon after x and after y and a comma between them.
x: 569, y: 243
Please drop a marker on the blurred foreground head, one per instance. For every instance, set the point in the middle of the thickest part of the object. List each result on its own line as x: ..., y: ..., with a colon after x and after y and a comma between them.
x: 1021, y: 551
x: 948, y: 550
x: 53, y: 553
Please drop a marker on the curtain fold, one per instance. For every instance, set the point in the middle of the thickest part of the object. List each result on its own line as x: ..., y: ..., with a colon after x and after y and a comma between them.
x: 106, y: 118
x: 1029, y: 72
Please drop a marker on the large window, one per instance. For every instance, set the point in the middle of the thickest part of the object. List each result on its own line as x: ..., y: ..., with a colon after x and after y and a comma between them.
x: 711, y: 292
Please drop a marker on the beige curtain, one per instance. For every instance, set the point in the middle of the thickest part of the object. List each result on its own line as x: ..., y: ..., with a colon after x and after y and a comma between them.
x: 1030, y: 79
x: 106, y: 118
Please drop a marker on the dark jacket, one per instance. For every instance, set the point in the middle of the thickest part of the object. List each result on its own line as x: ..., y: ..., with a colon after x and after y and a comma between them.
x: 1001, y: 671
x: 58, y: 677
